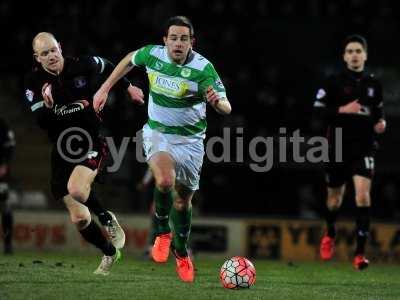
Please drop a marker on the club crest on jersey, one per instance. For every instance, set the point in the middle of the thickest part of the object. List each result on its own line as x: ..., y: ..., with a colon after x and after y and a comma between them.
x: 79, y: 82
x: 159, y: 65
x: 92, y: 154
x: 371, y: 92
x: 186, y: 72
x: 29, y: 95
x: 321, y: 94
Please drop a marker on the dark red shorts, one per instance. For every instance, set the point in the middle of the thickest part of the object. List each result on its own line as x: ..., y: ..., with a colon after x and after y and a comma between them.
x: 62, y: 166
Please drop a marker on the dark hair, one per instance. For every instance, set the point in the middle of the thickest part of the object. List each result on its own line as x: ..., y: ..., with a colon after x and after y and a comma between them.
x: 356, y: 38
x: 179, y: 21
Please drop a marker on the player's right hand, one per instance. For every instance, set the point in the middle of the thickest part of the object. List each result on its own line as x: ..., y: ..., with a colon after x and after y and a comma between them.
x: 350, y: 108
x: 99, y: 100
x: 212, y: 96
x: 47, y: 96
x: 136, y: 94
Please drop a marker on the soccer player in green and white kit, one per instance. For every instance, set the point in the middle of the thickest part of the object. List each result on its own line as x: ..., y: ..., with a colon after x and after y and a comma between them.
x: 181, y: 82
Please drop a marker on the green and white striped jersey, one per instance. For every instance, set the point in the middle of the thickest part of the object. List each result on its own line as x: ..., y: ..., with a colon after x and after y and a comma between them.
x: 177, y: 103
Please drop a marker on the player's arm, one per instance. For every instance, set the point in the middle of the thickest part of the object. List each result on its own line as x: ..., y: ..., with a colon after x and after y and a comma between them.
x: 325, y: 106
x: 220, y: 104
x: 324, y: 110
x: 34, y: 99
x: 123, y: 67
x: 69, y: 111
x: 101, y: 70
x: 377, y: 111
x: 41, y: 102
x: 214, y: 90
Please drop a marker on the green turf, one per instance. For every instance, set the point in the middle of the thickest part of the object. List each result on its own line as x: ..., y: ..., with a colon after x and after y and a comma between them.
x: 70, y: 277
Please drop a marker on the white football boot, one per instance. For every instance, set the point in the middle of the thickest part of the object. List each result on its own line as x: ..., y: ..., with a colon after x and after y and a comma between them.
x: 107, y: 262
x: 115, y: 232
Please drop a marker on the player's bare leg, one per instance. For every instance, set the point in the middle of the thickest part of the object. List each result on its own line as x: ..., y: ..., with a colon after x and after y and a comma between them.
x: 362, y: 187
x: 181, y: 216
x: 163, y: 167
x: 91, y: 232
x: 79, y: 187
x: 333, y: 203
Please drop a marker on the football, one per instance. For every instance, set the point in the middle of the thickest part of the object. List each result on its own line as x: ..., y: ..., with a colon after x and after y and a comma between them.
x: 237, y: 272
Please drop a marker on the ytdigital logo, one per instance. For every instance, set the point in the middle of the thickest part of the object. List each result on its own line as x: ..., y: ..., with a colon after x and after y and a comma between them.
x: 260, y: 153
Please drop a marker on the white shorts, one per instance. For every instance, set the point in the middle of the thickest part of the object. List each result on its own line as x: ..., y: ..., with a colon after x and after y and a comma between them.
x: 188, y: 156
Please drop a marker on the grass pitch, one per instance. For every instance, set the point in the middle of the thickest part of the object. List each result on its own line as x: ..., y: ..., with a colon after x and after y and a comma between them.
x: 63, y: 276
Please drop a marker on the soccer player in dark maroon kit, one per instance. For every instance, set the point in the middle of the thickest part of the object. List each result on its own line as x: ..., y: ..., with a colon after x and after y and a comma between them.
x: 59, y: 92
x: 351, y: 101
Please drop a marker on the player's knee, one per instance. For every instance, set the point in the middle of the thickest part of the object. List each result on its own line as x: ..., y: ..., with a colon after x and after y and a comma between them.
x: 165, y: 183
x: 334, y: 202
x: 180, y: 204
x: 363, y: 198
x: 76, y: 191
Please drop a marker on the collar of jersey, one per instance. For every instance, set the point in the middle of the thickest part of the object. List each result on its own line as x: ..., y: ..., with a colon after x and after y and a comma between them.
x: 189, y: 57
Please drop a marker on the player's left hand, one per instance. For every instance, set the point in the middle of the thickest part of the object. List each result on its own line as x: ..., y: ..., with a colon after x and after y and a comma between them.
x: 212, y: 96
x: 47, y: 96
x: 380, y: 127
x: 136, y: 94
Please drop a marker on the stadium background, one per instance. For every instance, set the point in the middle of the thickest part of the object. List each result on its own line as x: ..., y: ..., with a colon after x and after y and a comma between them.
x: 271, y: 57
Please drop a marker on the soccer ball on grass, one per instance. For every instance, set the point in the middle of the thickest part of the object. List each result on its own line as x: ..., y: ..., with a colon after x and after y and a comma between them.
x: 237, y: 272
